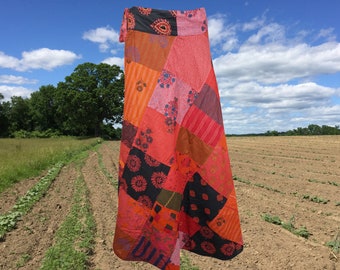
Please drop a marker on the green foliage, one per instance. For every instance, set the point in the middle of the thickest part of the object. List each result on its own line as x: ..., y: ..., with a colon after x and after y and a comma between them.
x: 312, y: 129
x: 23, y: 260
x: 113, y: 180
x: 186, y: 263
x: 5, y: 108
x: 25, y: 203
x: 24, y: 158
x: 315, y: 199
x: 272, y: 219
x: 236, y: 178
x: 90, y: 96
x: 302, y: 231
x: 89, y: 99
x: 75, y: 237
x: 43, y: 108
x: 23, y: 134
x: 19, y: 116
x: 335, y: 244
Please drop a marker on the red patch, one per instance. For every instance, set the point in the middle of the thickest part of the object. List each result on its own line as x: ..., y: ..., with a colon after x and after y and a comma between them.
x: 193, y: 207
x: 205, y: 197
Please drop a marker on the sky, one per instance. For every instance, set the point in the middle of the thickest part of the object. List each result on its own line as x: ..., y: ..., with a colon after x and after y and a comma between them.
x: 277, y: 63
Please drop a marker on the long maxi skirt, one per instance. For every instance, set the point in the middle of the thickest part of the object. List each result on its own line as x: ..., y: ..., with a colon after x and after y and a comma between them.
x: 175, y: 184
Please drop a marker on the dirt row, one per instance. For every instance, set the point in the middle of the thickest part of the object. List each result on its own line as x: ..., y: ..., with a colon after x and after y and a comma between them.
x: 286, y: 165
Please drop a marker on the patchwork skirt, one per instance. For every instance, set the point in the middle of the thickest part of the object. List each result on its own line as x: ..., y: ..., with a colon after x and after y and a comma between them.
x: 175, y: 183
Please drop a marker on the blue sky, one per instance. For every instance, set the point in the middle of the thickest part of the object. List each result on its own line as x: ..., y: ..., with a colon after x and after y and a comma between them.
x: 277, y: 62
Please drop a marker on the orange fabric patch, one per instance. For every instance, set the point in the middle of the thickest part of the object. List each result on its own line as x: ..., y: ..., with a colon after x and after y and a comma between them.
x: 149, y: 50
x: 138, y: 90
x: 227, y: 222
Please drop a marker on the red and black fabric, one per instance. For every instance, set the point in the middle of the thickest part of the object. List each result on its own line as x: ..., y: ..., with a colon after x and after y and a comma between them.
x: 175, y: 183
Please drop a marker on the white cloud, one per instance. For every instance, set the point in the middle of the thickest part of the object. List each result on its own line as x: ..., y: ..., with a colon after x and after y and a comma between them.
x: 272, y: 79
x: 253, y: 24
x: 270, y: 33
x: 105, y: 36
x: 114, y: 61
x: 42, y: 58
x: 327, y: 33
x: 279, y: 63
x: 48, y: 59
x: 7, y: 61
x: 276, y: 97
x: 253, y: 107
x: 11, y: 79
x: 9, y: 91
x: 222, y: 34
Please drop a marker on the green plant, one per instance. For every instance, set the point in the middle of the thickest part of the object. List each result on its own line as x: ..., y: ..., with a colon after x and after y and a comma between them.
x: 23, y: 260
x: 333, y: 183
x: 315, y: 199
x: 272, y: 219
x: 24, y: 158
x: 105, y: 171
x: 25, y: 203
x: 241, y: 180
x: 302, y: 231
x: 75, y: 237
x: 335, y: 243
x: 186, y: 263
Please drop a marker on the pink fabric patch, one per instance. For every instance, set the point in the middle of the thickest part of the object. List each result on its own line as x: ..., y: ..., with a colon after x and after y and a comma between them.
x: 191, y: 22
x: 184, y: 63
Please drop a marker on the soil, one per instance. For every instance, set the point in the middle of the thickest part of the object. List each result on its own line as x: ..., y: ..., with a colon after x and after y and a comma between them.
x: 274, y: 175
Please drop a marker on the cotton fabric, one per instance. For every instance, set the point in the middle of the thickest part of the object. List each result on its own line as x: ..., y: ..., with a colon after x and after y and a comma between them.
x: 175, y: 183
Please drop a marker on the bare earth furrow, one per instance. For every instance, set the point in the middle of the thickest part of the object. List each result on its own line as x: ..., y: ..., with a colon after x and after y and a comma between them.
x: 25, y: 247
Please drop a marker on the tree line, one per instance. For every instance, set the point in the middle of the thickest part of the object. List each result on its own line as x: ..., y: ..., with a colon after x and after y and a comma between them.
x: 312, y: 129
x: 89, y: 102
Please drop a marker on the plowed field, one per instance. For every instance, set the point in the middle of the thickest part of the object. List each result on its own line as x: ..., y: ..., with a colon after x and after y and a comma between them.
x: 296, y: 179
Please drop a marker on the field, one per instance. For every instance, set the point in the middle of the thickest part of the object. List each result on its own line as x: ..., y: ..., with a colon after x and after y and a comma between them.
x: 288, y: 195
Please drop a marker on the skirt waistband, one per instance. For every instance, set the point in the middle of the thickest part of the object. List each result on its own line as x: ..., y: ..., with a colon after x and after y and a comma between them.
x: 163, y: 22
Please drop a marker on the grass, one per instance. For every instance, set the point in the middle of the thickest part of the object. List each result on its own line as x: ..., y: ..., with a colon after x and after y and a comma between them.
x: 9, y: 220
x: 186, y: 263
x: 23, y: 260
x: 25, y: 203
x: 24, y: 158
x: 74, y: 241
x: 105, y: 171
x: 302, y: 231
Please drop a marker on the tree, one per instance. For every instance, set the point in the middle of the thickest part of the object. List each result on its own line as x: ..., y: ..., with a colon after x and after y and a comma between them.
x: 43, y: 108
x: 19, y: 115
x: 90, y: 96
x: 4, y: 122
x: 314, y: 129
